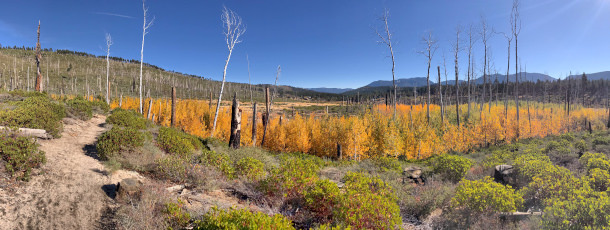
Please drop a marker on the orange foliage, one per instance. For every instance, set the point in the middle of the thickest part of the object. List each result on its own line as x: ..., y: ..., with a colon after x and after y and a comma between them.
x: 377, y: 132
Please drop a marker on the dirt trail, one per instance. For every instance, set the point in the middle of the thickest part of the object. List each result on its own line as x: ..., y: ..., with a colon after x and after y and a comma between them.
x: 74, y: 192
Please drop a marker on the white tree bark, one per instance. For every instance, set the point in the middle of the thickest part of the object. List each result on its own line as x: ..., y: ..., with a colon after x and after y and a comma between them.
x: 108, y: 44
x: 387, y: 40
x: 233, y: 30
x: 145, y: 26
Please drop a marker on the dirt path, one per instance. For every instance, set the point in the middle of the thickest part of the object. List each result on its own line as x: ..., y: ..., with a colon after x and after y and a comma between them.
x: 73, y: 193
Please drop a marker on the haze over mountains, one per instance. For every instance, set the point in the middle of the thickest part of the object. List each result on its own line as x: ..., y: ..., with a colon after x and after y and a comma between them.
x: 421, y: 81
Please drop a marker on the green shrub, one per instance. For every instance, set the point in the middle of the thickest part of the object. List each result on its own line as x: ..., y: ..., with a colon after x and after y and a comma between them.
x: 598, y: 163
x: 118, y: 139
x: 581, y: 146
x: 387, y: 163
x: 176, y: 216
x: 173, y: 167
x: 127, y: 118
x: 368, y: 203
x: 599, y: 179
x: 321, y: 198
x: 291, y: 178
x: 177, y: 142
x: 601, y: 140
x: 531, y: 165
x: 584, y: 210
x: 219, y: 161
x: 486, y: 195
x: 553, y: 182
x: 569, y: 137
x: 499, y: 157
x: 451, y: 167
x: 100, y: 106
x: 241, y: 219
x: 20, y: 155
x: 80, y: 108
x: 250, y: 168
x: 39, y: 112
x: 584, y: 159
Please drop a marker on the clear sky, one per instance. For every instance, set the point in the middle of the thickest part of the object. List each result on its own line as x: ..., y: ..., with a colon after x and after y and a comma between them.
x: 318, y: 43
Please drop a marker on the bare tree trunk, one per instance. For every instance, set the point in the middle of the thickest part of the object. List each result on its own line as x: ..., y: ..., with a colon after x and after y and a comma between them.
x: 150, y: 102
x: 440, y: 94
x: 173, y: 121
x: 108, y: 44
x: 388, y: 41
x: 265, y: 116
x: 39, y: 87
x: 144, y: 28
x: 253, y: 124
x: 234, y: 139
x: 457, y: 88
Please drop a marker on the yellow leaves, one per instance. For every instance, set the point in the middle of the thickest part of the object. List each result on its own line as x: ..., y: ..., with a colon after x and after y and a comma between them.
x: 377, y: 132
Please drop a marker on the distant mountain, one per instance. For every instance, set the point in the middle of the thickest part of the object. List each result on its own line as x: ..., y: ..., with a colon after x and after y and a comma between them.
x: 331, y: 90
x: 525, y: 76
x: 532, y: 77
x: 403, y: 82
x: 593, y: 76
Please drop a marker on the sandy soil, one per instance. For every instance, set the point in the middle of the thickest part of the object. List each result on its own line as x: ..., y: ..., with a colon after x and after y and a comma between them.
x: 72, y: 192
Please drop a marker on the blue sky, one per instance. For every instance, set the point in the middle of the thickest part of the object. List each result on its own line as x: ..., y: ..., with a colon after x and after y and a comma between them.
x: 318, y: 43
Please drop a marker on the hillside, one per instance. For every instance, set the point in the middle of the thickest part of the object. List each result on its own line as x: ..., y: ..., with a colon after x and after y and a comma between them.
x: 72, y: 72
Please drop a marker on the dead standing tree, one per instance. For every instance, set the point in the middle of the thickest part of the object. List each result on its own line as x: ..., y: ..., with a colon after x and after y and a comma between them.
x: 39, y: 87
x: 145, y: 27
x: 233, y: 30
x: 428, y: 52
x: 235, y: 137
x: 515, y: 23
x: 108, y: 44
x: 386, y: 38
x: 456, y: 50
x: 471, y: 42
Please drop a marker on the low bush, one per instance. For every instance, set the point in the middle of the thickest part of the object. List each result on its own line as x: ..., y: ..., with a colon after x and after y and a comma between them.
x: 100, y: 106
x: 80, y: 108
x: 553, y: 182
x: 177, y: 142
x: 581, y: 146
x: 127, y: 118
x: 321, y: 198
x: 451, y: 167
x: 599, y: 179
x: 118, y: 139
x: 484, y: 196
x: 21, y: 155
x: 291, y: 178
x: 601, y: 140
x: 250, y: 168
x: 387, y: 163
x: 420, y: 201
x: 176, y: 216
x: 368, y: 203
x: 37, y: 112
x: 584, y: 210
x: 241, y: 219
x: 219, y: 161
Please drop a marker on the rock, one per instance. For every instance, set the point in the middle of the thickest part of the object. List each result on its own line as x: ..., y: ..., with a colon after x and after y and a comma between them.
x: 129, y: 188
x: 68, y: 121
x: 413, y: 174
x: 176, y: 188
x: 505, y: 174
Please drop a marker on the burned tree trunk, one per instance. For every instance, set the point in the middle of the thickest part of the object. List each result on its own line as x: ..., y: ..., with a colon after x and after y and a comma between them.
x: 266, y: 115
x: 235, y: 137
x: 254, y: 124
x: 173, y: 121
x: 38, y: 57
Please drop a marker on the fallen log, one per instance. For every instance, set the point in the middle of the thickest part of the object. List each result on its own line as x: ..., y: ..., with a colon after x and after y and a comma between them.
x: 39, y: 133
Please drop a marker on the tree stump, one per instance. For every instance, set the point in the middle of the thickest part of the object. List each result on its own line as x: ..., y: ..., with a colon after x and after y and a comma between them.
x: 234, y: 139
